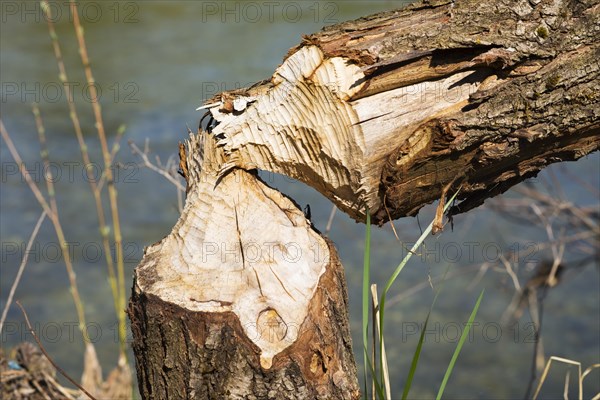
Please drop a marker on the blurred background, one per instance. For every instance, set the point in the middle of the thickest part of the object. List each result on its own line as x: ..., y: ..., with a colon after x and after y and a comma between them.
x: 155, y: 62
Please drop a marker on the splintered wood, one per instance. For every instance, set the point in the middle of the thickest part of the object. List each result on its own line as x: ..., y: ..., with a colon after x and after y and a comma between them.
x: 307, y: 126
x: 384, y: 112
x: 302, y: 127
x: 239, y: 247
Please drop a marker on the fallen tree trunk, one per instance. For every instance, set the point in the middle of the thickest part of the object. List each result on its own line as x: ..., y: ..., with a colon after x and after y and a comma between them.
x: 387, y: 110
x: 387, y: 113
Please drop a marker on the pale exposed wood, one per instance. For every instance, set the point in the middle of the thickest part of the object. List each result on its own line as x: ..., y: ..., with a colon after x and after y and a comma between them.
x: 307, y: 115
x: 303, y: 116
x: 239, y: 247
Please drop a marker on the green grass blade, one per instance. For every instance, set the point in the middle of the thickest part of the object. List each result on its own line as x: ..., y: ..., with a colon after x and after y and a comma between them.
x: 378, y: 387
x: 413, y: 250
x: 461, y: 341
x: 392, y: 279
x: 415, y: 360
x: 365, y: 301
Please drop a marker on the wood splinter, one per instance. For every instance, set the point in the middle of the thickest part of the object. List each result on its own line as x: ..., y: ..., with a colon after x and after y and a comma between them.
x: 438, y: 221
x: 183, y: 169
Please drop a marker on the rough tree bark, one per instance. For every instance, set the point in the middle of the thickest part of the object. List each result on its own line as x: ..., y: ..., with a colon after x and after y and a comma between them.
x: 244, y: 299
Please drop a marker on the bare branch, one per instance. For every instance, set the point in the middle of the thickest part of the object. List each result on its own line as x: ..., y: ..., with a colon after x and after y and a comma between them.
x: 43, y: 350
x: 21, y: 267
x: 156, y: 168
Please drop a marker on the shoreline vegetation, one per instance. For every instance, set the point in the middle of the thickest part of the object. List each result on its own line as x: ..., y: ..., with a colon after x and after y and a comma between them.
x: 118, y: 384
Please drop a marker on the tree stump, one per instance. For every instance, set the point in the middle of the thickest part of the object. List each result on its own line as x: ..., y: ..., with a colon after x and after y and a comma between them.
x: 243, y: 300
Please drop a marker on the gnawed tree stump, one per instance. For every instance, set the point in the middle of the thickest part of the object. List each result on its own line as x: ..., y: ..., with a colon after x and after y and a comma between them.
x: 244, y: 299
x: 387, y: 113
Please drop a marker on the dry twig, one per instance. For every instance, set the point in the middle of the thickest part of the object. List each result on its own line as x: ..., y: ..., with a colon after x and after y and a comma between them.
x: 13, y: 288
x: 59, y: 369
